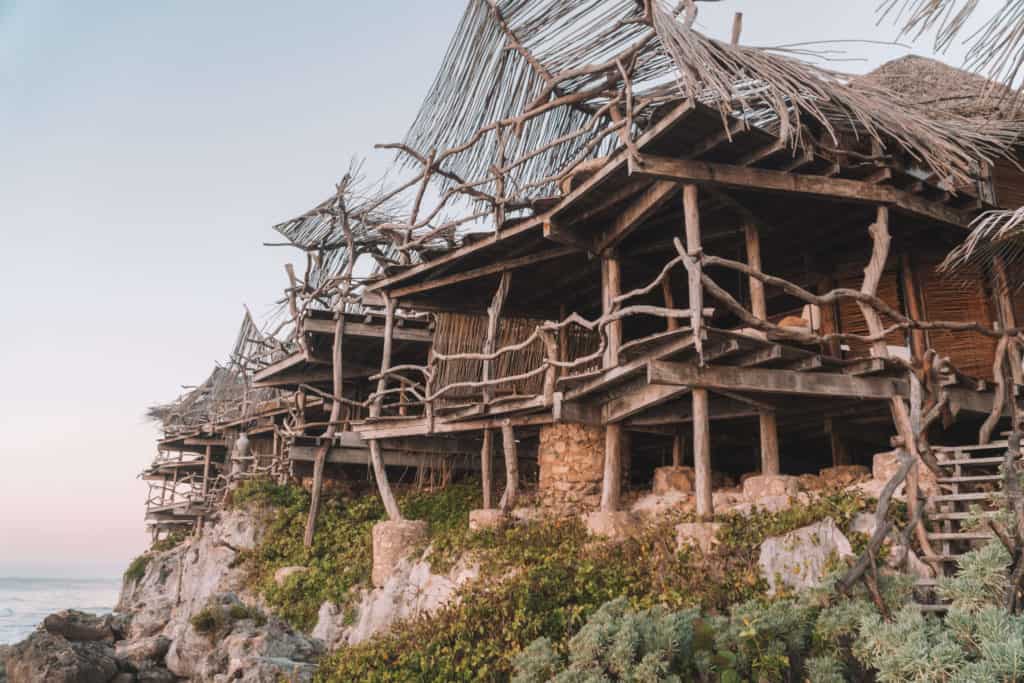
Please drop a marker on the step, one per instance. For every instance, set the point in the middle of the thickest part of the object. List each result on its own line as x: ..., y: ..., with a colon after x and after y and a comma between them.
x: 961, y: 515
x: 966, y: 480
x: 959, y: 536
x: 971, y: 461
x: 955, y: 497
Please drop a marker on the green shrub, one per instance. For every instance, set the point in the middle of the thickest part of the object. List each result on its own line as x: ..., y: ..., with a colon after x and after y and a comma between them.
x: 169, y: 542
x: 216, y: 619
x: 137, y: 569
x: 209, y: 620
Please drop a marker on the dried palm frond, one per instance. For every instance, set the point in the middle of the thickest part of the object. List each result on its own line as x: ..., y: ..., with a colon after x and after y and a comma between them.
x: 997, y: 47
x: 997, y: 234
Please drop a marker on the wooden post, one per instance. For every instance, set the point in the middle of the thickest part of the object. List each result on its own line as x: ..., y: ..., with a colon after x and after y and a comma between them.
x: 493, y: 316
x: 737, y: 27
x: 1007, y: 316
x: 840, y: 456
x: 508, y: 442
x: 915, y: 309
x: 769, y: 443
x: 670, y: 301
x: 611, y: 287
x: 678, y: 444
x: 611, y: 486
x: 702, y: 454
x: 563, y: 338
x: 691, y: 213
x: 829, y: 318
x: 486, y: 466
x: 206, y: 471
x: 379, y: 473
x: 759, y: 307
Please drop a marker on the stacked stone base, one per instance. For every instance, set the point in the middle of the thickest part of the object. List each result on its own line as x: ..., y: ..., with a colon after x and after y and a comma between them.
x: 571, y: 461
x: 392, y: 543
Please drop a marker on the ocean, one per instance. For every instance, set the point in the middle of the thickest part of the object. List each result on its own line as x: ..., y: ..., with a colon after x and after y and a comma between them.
x: 25, y: 602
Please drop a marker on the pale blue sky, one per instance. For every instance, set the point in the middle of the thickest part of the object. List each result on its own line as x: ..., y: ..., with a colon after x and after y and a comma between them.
x: 146, y: 149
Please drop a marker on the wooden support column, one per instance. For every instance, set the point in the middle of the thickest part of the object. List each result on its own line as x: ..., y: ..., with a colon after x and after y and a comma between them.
x: 486, y: 466
x: 702, y: 453
x: 840, y: 456
x: 701, y: 420
x: 1007, y: 316
x: 759, y: 307
x: 611, y: 487
x: 493, y: 317
x: 508, y: 442
x: 678, y: 446
x: 670, y: 301
x: 611, y: 287
x: 915, y: 307
x: 379, y: 473
x: 563, y: 339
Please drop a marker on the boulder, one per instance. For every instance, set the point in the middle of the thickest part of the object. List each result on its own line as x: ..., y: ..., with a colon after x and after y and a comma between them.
x: 486, y: 519
x: 770, y: 485
x: 699, y: 534
x: 884, y: 466
x: 615, y: 524
x: 654, y: 504
x: 773, y: 503
x: 841, y: 476
x: 45, y: 656
x: 798, y: 560
x: 270, y: 670
x: 810, y: 482
x: 80, y: 626
x: 392, y: 542
x: 144, y: 651
x: 284, y: 573
x: 670, y: 478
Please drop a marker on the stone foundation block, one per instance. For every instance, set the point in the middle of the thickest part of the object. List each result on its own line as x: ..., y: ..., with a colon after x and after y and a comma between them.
x: 699, y: 534
x: 618, y: 524
x: 770, y: 485
x: 843, y: 475
x: 773, y: 503
x: 392, y: 542
x: 486, y: 519
x: 673, y: 479
x: 884, y: 466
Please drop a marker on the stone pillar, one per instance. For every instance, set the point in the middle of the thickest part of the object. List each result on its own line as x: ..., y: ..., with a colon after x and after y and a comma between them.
x: 571, y: 461
x: 392, y: 542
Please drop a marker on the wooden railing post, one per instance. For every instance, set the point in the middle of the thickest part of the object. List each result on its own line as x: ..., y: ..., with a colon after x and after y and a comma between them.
x: 379, y: 473
x: 701, y: 420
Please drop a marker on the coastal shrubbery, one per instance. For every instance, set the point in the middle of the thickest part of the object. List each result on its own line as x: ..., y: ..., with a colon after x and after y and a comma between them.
x: 341, y: 557
x: 217, y: 618
x: 546, y: 579
x: 137, y: 569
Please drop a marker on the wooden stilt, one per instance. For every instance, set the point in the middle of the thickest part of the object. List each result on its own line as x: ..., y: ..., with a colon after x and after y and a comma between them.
x: 769, y: 443
x: 678, y: 444
x: 702, y: 453
x: 611, y: 487
x: 611, y: 287
x: 493, y: 317
x: 840, y: 456
x: 759, y: 307
x: 379, y: 473
x: 508, y: 441
x: 915, y: 309
x: 670, y: 301
x: 486, y: 465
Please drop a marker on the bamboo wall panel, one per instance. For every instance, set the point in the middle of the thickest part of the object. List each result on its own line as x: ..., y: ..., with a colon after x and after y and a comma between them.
x: 954, y: 300
x: 1009, y: 184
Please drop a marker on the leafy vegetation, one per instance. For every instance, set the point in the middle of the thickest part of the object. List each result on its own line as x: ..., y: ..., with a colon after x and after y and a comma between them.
x: 341, y: 557
x: 816, y: 636
x: 216, y: 619
x: 137, y: 569
x: 169, y: 542
x: 546, y: 579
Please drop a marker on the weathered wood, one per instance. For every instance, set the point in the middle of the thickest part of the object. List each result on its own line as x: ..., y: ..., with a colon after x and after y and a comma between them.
x: 611, y: 287
x: 758, y: 304
x: 458, y: 459
x: 691, y: 218
x: 486, y: 465
x: 769, y: 442
x: 368, y: 330
x: 634, y: 215
x: 508, y: 441
x: 643, y: 397
x: 678, y: 444
x: 484, y: 271
x: 611, y: 485
x: 774, y: 381
x: 840, y: 456
x: 702, y: 453
x: 915, y: 309
x: 880, y: 241
x: 728, y: 175
x: 670, y: 301
x: 493, y: 318
x: 379, y: 473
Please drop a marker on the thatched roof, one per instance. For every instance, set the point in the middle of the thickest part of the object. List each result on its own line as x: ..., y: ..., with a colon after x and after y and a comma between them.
x: 942, y: 88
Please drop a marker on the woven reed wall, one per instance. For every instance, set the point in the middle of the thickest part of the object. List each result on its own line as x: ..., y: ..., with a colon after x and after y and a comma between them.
x: 466, y: 333
x: 945, y: 299
x: 851, y: 320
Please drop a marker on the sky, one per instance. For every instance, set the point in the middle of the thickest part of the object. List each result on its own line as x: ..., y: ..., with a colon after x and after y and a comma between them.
x: 145, y: 151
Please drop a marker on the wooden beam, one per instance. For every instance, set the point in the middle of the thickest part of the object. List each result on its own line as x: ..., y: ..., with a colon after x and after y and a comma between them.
x: 728, y: 175
x: 632, y: 216
x: 354, y: 329
x: 391, y: 457
x: 774, y: 381
x: 643, y: 397
x: 484, y: 271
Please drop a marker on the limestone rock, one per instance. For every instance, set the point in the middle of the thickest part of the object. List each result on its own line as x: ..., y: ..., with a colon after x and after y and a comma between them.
x: 810, y: 482
x: 700, y: 534
x: 616, y: 525
x: 486, y: 519
x: 79, y: 626
x: 773, y: 503
x: 653, y: 504
x: 670, y: 478
x: 798, y: 559
x: 268, y: 670
x: 45, y: 656
x: 144, y: 651
x: 284, y: 573
x: 392, y: 542
x: 5, y: 652
x: 884, y: 466
x: 843, y: 475
x: 770, y: 485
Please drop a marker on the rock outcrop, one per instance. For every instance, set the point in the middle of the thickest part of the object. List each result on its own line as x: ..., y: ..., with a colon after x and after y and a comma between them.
x: 799, y: 559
